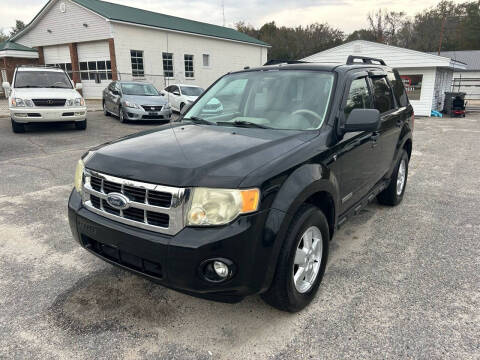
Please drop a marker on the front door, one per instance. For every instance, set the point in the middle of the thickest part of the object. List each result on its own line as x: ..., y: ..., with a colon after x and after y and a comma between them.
x: 354, y: 153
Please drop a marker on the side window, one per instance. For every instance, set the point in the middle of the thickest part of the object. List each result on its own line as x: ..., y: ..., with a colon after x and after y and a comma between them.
x: 383, y: 97
x: 398, y: 88
x: 174, y: 88
x: 358, y: 96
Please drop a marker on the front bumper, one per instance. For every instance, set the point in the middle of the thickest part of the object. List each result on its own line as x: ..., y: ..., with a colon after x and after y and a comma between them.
x: 174, y: 261
x: 53, y: 114
x: 133, y: 114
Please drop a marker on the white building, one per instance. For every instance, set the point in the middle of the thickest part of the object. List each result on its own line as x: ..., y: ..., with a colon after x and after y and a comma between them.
x: 427, y: 77
x: 97, y: 41
x: 468, y: 80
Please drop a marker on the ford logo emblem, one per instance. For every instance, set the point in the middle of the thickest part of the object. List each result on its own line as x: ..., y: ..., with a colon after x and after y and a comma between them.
x: 118, y: 201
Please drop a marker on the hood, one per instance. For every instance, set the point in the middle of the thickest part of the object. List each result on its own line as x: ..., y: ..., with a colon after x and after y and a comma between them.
x: 45, y: 93
x: 194, y: 155
x: 145, y: 100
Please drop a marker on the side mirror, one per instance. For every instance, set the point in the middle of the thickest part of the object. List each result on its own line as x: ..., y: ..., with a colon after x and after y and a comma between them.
x: 363, y: 120
x: 176, y: 93
x: 185, y: 108
x: 78, y: 86
x: 6, y: 85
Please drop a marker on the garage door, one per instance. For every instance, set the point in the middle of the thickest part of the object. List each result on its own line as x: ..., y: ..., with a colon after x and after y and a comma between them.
x: 59, y: 56
x: 95, y: 68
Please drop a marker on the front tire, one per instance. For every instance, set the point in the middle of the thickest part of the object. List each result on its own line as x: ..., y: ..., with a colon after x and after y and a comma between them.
x: 81, y: 125
x: 393, y: 194
x: 301, y: 262
x: 121, y: 117
x: 105, y: 111
x: 17, y: 128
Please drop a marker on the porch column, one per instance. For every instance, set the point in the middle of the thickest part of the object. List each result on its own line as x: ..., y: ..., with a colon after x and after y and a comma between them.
x: 74, y: 60
x: 113, y: 58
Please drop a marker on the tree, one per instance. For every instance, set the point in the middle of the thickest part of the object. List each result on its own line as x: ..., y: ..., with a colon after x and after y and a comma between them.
x: 19, y: 26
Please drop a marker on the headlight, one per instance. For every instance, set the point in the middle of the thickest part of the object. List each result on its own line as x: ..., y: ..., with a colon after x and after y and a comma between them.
x: 131, y: 105
x: 19, y: 102
x: 75, y: 102
x: 220, y: 206
x: 166, y: 107
x: 79, y: 175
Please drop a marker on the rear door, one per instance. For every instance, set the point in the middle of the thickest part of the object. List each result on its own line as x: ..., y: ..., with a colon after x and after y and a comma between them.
x: 392, y: 117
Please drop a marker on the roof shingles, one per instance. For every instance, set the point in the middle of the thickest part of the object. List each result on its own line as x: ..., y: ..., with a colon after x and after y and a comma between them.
x: 10, y: 45
x: 469, y: 57
x: 116, y: 12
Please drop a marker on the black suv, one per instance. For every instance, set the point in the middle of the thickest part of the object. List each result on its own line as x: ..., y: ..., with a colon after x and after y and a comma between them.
x: 245, y: 200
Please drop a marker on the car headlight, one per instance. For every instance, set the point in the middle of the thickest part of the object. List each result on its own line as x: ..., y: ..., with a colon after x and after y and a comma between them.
x: 19, y: 102
x: 166, y: 107
x: 220, y: 206
x: 75, y: 102
x: 79, y: 175
x: 131, y: 105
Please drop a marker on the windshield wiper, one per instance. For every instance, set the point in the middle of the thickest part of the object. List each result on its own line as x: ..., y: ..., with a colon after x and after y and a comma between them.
x: 243, y: 123
x: 57, y: 87
x: 27, y: 86
x: 198, y: 120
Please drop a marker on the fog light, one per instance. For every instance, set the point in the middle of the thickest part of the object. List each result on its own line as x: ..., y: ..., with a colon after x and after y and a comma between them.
x: 221, y: 269
x: 217, y: 270
x: 21, y: 115
x: 79, y: 113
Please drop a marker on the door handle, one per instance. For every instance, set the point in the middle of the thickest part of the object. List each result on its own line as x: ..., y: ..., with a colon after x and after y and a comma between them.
x: 399, y: 123
x: 374, y: 138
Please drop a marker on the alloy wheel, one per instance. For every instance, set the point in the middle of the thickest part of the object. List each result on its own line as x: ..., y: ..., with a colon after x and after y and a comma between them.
x: 308, y: 258
x: 401, y: 177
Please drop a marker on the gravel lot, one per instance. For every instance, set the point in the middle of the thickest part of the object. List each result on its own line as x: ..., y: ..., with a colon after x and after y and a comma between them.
x: 401, y: 282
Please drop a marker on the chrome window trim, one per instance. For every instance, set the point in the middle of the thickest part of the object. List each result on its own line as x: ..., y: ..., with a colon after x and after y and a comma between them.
x: 175, y: 211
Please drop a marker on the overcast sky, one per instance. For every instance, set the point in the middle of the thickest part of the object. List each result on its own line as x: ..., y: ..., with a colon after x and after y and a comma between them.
x: 347, y: 15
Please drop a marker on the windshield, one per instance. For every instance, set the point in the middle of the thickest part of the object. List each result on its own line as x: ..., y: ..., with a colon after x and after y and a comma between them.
x: 42, y: 79
x: 139, y: 89
x: 287, y: 99
x: 191, y: 90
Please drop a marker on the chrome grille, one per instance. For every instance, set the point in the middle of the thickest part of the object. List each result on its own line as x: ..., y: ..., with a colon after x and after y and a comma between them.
x: 152, y: 207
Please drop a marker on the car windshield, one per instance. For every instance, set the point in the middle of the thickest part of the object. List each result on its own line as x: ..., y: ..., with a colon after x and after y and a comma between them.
x: 286, y: 99
x: 42, y: 79
x: 139, y: 89
x: 191, y: 90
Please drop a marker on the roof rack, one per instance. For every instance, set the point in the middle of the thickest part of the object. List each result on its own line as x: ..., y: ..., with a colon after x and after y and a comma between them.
x: 40, y: 66
x: 366, y: 60
x: 278, y: 62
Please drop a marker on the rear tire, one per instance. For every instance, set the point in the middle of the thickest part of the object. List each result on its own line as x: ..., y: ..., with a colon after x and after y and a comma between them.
x: 286, y: 293
x: 81, y: 125
x: 121, y: 117
x: 393, y: 194
x: 17, y: 127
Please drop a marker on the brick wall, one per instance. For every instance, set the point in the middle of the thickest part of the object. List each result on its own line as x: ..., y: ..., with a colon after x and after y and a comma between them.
x: 10, y: 63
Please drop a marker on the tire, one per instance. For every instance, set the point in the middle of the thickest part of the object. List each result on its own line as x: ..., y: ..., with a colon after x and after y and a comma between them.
x: 393, y: 194
x: 284, y: 293
x: 121, y: 117
x: 181, y: 107
x: 81, y: 125
x: 105, y: 111
x: 17, y: 128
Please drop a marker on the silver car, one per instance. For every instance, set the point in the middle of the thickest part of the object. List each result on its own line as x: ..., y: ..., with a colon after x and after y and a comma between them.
x: 132, y: 101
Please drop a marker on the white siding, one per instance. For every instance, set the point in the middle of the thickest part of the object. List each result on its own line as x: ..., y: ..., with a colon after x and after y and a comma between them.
x: 443, y: 82
x: 56, y: 54
x: 393, y: 56
x: 225, y: 55
x: 65, y: 27
x: 422, y: 107
x: 93, y: 51
x: 469, y: 83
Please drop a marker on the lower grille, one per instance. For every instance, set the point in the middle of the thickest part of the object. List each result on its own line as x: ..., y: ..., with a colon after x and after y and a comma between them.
x: 152, y: 117
x: 153, y: 207
x: 123, y: 258
x: 49, y: 102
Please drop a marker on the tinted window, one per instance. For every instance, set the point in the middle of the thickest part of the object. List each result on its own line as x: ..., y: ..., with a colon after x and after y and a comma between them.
x: 383, y: 98
x: 191, y: 91
x: 398, y: 88
x: 139, y: 89
x: 358, y: 96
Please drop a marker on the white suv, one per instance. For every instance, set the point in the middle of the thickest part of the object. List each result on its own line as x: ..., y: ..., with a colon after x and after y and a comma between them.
x: 43, y: 94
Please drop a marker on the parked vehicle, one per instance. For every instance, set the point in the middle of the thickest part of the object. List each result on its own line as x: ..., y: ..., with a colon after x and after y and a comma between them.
x: 44, y: 94
x: 247, y: 201
x: 131, y: 101
x: 179, y: 95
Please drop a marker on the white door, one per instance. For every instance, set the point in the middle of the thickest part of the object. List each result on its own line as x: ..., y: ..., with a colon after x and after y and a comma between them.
x: 95, y: 68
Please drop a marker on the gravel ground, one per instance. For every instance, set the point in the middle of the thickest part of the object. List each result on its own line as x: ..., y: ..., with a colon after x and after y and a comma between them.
x: 401, y: 282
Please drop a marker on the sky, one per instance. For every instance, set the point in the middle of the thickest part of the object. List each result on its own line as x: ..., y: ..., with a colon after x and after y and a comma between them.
x: 346, y: 15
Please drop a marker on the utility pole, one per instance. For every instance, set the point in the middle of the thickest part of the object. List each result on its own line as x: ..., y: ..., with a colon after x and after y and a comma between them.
x: 223, y: 12
x: 442, y: 30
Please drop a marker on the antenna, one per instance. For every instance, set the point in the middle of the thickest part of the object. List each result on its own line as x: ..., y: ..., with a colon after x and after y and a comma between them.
x: 223, y: 12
